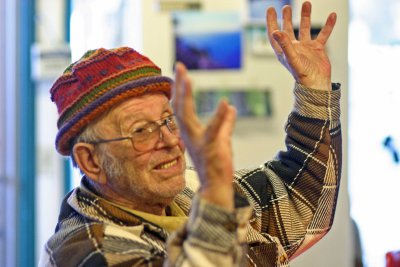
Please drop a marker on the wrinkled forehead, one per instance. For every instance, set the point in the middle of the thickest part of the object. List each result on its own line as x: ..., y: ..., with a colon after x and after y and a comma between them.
x: 149, y: 106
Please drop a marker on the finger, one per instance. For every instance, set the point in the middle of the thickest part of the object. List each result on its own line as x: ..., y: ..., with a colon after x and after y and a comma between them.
x: 216, y: 120
x: 221, y: 124
x: 189, y: 116
x: 183, y: 103
x: 326, y: 31
x: 177, y: 87
x: 178, y: 92
x: 182, y: 86
x: 189, y: 109
x: 229, y: 121
x: 287, y: 21
x: 305, y: 22
x: 272, y: 26
x: 287, y: 47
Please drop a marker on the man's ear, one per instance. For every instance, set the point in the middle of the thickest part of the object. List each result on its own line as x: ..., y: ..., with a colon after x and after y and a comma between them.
x: 88, y: 161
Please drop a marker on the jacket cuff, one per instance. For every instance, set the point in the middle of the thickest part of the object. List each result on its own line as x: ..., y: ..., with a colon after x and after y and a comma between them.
x: 215, y: 228
x: 319, y: 104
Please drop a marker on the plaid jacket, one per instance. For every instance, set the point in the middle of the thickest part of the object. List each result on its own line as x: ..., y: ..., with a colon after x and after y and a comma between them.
x: 290, y: 205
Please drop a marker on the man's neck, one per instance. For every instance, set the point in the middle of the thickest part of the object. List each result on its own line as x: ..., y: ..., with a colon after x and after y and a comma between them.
x: 156, y: 208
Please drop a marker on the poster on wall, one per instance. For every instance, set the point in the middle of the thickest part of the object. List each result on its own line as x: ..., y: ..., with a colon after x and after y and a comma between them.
x: 257, y: 7
x: 208, y: 40
x: 249, y: 102
x: 174, y: 5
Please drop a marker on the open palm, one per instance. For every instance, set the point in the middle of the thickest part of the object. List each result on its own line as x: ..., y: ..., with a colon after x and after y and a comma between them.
x: 304, y: 57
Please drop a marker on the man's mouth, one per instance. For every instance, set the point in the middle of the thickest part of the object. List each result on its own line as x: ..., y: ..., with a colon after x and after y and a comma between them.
x: 167, y: 165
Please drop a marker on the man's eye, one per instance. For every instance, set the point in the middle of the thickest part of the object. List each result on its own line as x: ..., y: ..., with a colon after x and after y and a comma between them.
x: 141, y: 130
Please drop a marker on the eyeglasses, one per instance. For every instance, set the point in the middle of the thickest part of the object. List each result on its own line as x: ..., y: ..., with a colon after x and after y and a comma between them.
x: 145, y: 138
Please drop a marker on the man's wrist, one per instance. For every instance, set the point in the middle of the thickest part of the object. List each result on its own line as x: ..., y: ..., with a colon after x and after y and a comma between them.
x: 323, y: 86
x: 222, y: 196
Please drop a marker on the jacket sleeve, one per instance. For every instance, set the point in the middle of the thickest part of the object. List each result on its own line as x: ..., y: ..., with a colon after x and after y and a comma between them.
x: 211, y: 237
x: 294, y: 196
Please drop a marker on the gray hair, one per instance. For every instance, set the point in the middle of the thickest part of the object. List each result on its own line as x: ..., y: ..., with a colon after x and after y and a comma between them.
x: 88, y: 134
x: 109, y: 163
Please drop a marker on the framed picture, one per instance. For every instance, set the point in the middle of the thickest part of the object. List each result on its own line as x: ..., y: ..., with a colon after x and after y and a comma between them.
x: 257, y: 8
x: 249, y: 102
x: 208, y: 40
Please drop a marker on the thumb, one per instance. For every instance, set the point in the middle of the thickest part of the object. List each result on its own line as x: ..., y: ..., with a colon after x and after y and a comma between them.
x: 223, y: 121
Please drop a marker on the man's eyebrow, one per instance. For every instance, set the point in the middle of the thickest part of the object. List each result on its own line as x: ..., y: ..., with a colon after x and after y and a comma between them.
x: 133, y: 118
x: 129, y: 120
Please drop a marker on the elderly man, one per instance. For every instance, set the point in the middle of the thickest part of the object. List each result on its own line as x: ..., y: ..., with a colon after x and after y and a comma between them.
x: 133, y: 207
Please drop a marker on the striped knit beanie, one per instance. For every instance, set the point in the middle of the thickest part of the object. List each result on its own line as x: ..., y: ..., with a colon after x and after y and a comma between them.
x: 98, y: 81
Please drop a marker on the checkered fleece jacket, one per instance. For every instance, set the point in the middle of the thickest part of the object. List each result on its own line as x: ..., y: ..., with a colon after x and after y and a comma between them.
x: 283, y: 207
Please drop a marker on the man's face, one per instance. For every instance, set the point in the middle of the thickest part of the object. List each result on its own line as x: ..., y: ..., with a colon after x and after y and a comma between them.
x: 152, y: 177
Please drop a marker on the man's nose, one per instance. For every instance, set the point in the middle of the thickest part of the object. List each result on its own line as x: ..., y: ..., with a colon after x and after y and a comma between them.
x: 167, y: 136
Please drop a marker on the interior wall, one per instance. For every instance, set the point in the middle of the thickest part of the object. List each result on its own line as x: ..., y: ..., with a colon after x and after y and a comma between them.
x: 254, y: 140
x: 258, y: 140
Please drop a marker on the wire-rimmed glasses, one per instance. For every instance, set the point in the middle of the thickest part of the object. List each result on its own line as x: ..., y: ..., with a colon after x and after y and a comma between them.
x: 145, y: 137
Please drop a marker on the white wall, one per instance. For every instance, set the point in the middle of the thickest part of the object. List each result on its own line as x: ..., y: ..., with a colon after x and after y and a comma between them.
x: 254, y: 142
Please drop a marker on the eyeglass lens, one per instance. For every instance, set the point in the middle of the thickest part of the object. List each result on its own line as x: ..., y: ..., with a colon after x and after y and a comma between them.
x: 150, y: 134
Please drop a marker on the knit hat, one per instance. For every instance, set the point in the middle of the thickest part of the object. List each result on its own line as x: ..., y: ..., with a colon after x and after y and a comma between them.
x: 98, y: 81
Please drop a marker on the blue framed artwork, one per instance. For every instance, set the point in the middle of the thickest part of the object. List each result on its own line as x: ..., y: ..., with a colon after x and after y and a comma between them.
x: 208, y: 40
x: 257, y: 8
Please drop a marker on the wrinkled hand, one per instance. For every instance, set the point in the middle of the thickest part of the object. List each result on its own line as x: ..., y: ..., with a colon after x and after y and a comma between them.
x: 305, y: 58
x: 209, y: 145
